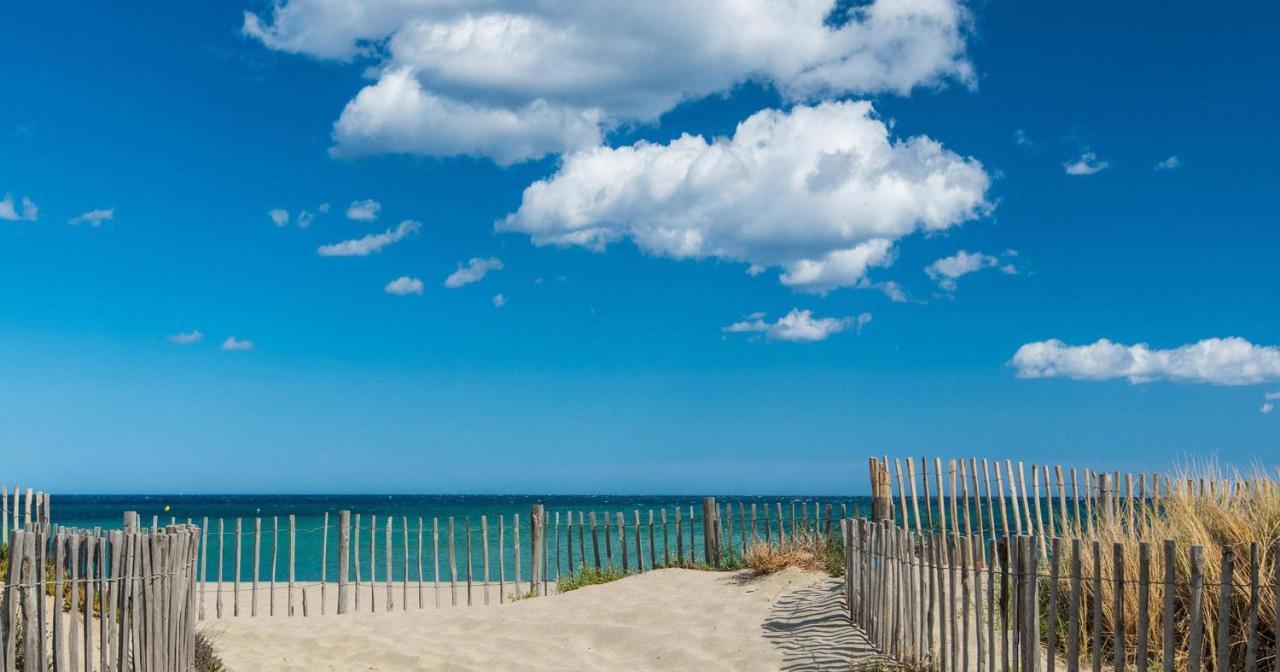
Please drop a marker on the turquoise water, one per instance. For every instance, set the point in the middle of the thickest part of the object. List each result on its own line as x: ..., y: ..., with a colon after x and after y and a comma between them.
x: 89, y: 511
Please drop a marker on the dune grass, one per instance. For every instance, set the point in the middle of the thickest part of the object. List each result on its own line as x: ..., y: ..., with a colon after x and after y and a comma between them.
x: 1225, y: 517
x: 808, y: 551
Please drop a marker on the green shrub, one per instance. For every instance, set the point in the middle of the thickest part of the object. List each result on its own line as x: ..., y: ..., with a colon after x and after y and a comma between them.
x: 587, y: 576
x: 206, y: 658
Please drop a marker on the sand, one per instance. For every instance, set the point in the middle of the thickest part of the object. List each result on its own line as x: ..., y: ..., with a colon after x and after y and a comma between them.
x: 668, y: 619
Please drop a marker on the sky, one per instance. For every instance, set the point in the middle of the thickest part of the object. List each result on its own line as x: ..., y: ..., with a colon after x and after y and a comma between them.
x: 719, y: 247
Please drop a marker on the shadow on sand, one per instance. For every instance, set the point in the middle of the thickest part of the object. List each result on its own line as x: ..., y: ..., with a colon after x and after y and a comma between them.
x: 812, y: 629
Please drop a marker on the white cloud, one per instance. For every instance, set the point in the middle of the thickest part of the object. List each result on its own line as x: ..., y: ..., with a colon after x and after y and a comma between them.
x: 404, y: 285
x: 364, y: 211
x: 944, y: 271
x: 474, y: 271
x: 1220, y: 361
x: 499, y: 300
x: 186, y: 337
x: 397, y: 116
x: 891, y: 289
x: 1087, y: 164
x: 1170, y: 163
x: 363, y: 247
x: 235, y: 345
x: 1272, y: 396
x: 93, y: 217
x: 1267, y: 407
x: 820, y: 192
x: 29, y: 212
x: 517, y: 80
x: 798, y: 326
x: 280, y: 216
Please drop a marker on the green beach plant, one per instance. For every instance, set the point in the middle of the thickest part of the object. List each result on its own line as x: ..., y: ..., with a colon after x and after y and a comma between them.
x: 528, y: 594
x: 587, y: 576
x: 205, y: 656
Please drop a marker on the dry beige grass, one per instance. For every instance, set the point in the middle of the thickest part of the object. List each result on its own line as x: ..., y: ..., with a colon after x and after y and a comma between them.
x: 1231, y: 517
x: 808, y: 552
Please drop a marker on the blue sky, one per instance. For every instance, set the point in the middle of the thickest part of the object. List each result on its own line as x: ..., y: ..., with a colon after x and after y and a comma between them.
x: 658, y: 363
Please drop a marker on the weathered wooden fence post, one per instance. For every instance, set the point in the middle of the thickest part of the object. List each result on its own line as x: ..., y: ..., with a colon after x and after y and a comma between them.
x: 344, y: 558
x: 537, y: 529
x: 710, y: 553
x: 1104, y: 497
x: 1195, y: 636
x: 881, y: 492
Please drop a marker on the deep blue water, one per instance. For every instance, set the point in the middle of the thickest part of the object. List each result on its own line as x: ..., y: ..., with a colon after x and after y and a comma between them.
x: 106, y: 511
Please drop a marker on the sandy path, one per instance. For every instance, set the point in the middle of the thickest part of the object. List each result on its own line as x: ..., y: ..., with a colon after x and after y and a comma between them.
x: 670, y: 619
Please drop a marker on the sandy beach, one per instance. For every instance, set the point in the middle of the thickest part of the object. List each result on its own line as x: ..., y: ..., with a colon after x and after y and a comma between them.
x: 670, y: 619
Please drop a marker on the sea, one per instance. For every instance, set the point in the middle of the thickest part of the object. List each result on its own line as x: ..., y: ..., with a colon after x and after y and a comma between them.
x: 469, y: 513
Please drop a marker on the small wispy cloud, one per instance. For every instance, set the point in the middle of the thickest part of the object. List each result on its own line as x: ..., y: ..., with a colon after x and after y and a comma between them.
x: 280, y: 216
x: 233, y: 344
x: 893, y: 290
x: 474, y: 271
x: 946, y: 270
x: 798, y: 326
x: 364, y: 211
x: 1171, y: 163
x: 186, y: 337
x: 499, y: 300
x: 363, y: 247
x: 9, y: 212
x: 1087, y: 164
x: 93, y: 217
x: 1022, y: 139
x: 1269, y: 402
x: 404, y: 286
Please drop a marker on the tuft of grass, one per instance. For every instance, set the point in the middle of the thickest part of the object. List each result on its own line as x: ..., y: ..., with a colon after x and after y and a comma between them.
x: 808, y: 551
x: 730, y: 560
x: 684, y: 563
x: 587, y: 576
x: 206, y: 658
x: 516, y: 597
x: 834, y: 558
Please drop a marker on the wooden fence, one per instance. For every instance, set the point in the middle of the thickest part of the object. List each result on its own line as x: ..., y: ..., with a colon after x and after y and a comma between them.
x: 1067, y: 578
x: 1073, y: 501
x: 451, y: 561
x: 932, y: 602
x: 36, y: 511
x: 77, y: 600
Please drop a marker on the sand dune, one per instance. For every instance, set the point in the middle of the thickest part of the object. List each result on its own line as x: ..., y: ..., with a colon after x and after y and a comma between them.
x: 669, y: 619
